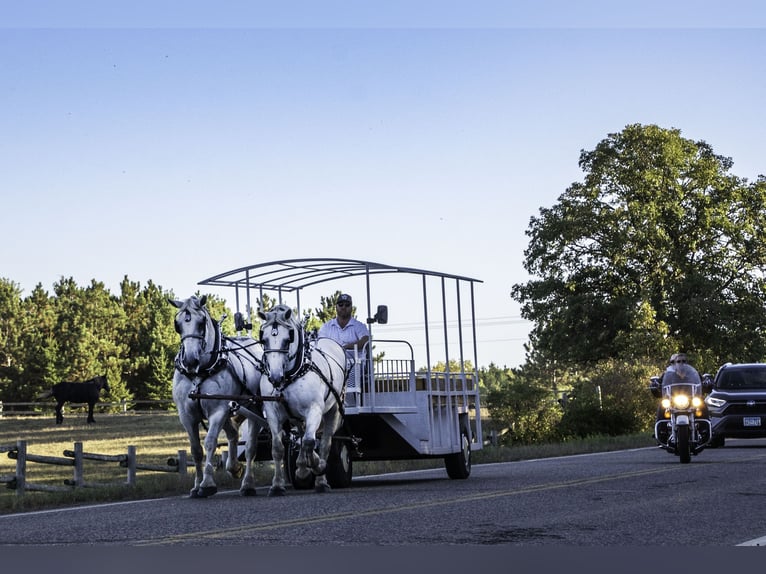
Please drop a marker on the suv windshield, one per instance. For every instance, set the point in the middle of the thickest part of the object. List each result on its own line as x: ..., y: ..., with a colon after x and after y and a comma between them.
x: 754, y: 378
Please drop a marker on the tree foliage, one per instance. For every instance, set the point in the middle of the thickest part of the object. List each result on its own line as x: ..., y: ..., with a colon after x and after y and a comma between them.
x: 76, y: 332
x: 659, y: 247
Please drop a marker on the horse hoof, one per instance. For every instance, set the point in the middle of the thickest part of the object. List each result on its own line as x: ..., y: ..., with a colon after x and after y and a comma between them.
x: 194, y: 493
x: 322, y: 488
x: 206, y: 491
x: 247, y: 492
x: 277, y: 491
x: 302, y: 473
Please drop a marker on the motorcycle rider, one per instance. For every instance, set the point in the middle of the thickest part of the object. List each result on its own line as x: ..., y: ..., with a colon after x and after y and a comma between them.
x: 678, y: 371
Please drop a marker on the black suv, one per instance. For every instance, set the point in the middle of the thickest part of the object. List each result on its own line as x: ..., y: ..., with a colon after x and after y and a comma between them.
x: 737, y: 402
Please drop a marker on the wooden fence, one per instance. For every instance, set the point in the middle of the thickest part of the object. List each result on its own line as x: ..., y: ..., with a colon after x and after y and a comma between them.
x: 75, y: 458
x: 44, y: 407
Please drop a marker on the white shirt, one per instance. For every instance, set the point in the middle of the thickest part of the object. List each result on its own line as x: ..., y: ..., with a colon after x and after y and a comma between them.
x: 351, y: 333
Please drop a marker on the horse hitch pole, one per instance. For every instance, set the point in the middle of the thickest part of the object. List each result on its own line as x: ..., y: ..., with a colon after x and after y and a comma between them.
x: 236, y: 408
x: 237, y: 398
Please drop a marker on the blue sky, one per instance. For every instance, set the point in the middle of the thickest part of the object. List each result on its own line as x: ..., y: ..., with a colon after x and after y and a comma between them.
x: 162, y: 141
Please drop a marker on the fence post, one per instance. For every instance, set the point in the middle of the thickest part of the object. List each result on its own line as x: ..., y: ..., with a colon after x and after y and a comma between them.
x: 182, y: 463
x: 124, y: 405
x: 131, y: 465
x: 21, y: 467
x: 1, y: 409
x: 78, y: 472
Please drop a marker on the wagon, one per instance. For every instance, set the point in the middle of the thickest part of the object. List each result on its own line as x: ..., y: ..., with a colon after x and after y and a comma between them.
x: 412, y: 398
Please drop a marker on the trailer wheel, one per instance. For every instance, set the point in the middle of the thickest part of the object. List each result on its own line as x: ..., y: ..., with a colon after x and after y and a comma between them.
x: 458, y: 464
x: 339, y: 467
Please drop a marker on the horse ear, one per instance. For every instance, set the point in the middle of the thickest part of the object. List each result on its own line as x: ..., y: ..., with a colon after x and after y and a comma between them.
x: 176, y: 304
x: 203, y: 300
x: 261, y: 314
x: 288, y: 314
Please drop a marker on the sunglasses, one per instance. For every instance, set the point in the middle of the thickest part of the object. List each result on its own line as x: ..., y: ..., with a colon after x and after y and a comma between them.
x: 680, y: 361
x: 343, y: 304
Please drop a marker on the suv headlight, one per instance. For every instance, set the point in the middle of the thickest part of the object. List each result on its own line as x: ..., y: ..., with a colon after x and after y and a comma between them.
x: 714, y: 402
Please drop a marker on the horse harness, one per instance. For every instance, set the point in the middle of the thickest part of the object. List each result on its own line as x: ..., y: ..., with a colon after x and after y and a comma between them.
x: 302, y: 363
x: 220, y: 355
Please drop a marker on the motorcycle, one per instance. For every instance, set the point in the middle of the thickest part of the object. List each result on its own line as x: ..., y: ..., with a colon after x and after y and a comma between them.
x: 683, y: 427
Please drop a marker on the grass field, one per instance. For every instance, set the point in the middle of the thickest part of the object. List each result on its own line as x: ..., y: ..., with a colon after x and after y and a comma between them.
x: 159, y: 436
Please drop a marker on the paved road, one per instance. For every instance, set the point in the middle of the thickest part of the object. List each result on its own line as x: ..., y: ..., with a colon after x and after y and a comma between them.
x: 638, y: 497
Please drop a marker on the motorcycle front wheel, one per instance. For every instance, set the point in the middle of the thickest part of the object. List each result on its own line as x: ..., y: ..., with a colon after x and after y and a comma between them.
x: 682, y: 444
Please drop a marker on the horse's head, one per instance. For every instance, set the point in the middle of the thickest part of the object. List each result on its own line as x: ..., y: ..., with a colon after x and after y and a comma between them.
x: 102, y: 383
x: 281, y: 336
x: 194, y: 324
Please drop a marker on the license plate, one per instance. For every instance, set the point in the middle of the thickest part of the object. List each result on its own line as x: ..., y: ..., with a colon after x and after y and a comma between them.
x: 751, y: 421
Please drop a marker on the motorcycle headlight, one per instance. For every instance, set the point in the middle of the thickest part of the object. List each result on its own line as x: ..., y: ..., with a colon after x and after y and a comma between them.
x: 665, y: 403
x: 681, y: 401
x: 696, y: 402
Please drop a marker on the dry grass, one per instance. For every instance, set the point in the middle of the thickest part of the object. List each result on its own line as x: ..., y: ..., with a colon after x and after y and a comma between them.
x: 156, y: 436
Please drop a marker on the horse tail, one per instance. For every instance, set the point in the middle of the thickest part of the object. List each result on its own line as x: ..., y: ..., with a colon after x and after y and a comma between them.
x: 45, y: 395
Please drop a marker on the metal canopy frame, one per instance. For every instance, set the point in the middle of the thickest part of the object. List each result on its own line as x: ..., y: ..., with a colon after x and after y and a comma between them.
x: 292, y: 275
x: 295, y: 274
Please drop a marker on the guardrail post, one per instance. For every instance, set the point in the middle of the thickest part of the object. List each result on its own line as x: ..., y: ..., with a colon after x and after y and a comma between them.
x: 78, y: 471
x: 124, y: 404
x: 131, y: 465
x: 1, y: 409
x: 21, y: 467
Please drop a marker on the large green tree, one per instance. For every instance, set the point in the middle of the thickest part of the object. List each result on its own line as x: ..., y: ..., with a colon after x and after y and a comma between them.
x: 658, y: 237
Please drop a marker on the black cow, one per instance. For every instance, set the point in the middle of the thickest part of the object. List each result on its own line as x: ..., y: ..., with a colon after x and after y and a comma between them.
x: 87, y: 392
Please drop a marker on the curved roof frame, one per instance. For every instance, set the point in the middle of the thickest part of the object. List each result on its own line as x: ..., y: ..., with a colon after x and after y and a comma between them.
x: 292, y: 275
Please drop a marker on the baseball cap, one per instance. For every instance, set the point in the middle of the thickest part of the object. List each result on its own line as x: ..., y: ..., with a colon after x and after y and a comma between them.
x: 344, y: 298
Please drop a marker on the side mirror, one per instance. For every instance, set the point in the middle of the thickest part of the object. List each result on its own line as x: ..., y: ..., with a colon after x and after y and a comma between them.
x: 655, y: 387
x: 239, y: 322
x: 381, y: 315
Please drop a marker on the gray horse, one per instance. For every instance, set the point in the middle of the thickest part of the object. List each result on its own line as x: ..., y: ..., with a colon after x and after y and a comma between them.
x: 309, y: 381
x: 208, y: 363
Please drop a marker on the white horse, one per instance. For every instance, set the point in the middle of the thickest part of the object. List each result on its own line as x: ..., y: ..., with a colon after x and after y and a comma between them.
x: 208, y: 363
x: 309, y: 381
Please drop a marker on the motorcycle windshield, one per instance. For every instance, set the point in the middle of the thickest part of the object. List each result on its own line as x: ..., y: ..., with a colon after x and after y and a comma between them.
x: 687, y: 389
x: 681, y: 374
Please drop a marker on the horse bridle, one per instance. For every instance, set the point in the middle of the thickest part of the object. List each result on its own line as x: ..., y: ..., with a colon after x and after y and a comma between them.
x: 298, y: 359
x: 217, y: 360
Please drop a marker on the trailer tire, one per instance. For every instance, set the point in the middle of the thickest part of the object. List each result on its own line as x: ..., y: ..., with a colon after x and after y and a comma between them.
x: 339, y: 465
x: 458, y: 464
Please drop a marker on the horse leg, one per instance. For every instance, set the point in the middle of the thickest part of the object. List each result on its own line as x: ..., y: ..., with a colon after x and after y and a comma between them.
x: 233, y: 466
x: 90, y: 413
x: 59, y: 412
x: 308, y: 460
x: 248, y: 481
x: 215, y: 423
x: 277, y: 449
x: 330, y: 425
x: 196, y: 452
